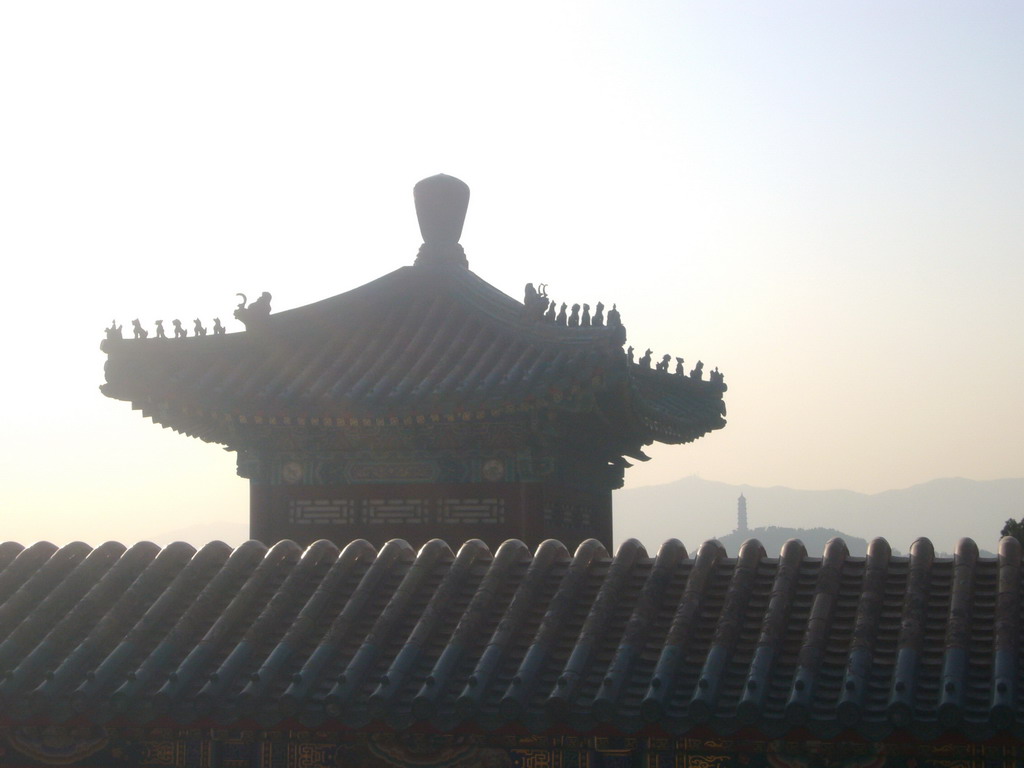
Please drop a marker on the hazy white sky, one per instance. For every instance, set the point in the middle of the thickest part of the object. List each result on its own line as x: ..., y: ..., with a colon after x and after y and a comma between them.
x: 822, y: 199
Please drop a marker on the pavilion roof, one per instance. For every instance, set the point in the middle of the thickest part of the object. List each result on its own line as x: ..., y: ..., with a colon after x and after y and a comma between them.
x: 881, y: 645
x: 425, y: 341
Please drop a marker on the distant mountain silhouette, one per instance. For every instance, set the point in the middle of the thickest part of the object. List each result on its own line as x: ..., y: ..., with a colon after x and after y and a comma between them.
x: 694, y: 510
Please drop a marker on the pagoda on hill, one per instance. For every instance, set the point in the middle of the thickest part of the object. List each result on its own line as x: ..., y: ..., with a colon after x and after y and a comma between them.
x: 424, y: 404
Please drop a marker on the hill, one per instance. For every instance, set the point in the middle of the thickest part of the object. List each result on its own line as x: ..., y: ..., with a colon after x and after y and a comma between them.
x: 945, y: 510
x: 772, y: 537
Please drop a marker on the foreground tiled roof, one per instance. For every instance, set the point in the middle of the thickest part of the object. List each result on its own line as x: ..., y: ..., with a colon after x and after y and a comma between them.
x: 880, y: 645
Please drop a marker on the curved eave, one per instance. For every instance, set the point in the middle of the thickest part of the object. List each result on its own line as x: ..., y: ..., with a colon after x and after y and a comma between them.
x: 673, y: 408
x: 222, y: 426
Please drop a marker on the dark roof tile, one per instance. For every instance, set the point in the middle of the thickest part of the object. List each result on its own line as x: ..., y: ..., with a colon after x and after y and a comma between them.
x: 879, y: 644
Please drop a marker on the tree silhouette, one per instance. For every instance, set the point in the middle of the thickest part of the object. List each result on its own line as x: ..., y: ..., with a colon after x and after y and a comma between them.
x: 1014, y: 528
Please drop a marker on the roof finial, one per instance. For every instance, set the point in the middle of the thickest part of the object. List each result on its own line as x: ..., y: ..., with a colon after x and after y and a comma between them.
x: 441, y: 203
